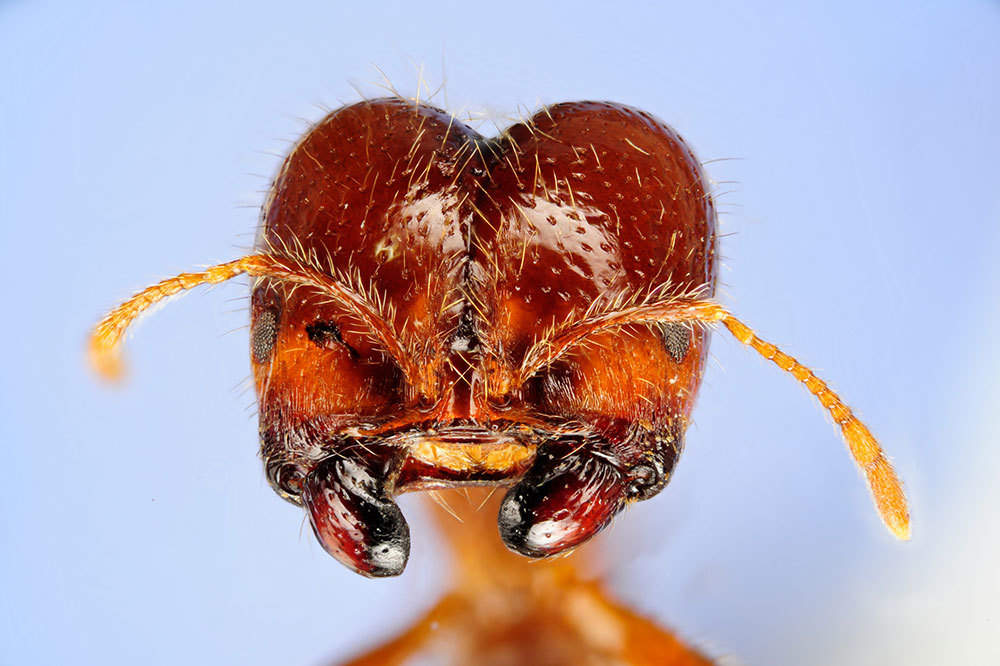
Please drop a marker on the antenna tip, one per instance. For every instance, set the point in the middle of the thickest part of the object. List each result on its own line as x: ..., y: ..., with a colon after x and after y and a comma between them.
x: 901, y: 532
x: 890, y: 500
x: 105, y: 362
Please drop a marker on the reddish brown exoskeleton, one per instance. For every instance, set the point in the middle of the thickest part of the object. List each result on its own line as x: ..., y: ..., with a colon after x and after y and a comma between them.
x: 436, y: 309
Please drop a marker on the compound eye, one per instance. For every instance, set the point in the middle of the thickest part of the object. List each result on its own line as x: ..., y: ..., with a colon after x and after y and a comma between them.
x: 676, y: 337
x: 263, y: 334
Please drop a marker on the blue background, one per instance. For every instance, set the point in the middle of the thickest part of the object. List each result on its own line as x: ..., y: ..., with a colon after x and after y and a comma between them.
x: 135, y: 142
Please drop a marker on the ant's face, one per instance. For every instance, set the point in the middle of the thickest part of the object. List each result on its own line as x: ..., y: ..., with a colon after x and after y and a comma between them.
x: 473, y: 351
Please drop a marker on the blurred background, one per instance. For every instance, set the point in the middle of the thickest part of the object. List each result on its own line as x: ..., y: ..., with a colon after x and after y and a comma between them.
x: 855, y: 148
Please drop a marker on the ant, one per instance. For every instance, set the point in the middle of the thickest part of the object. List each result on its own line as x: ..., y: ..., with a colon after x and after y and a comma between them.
x: 433, y: 309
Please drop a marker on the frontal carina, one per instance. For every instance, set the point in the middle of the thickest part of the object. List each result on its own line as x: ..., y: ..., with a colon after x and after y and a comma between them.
x: 432, y: 308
